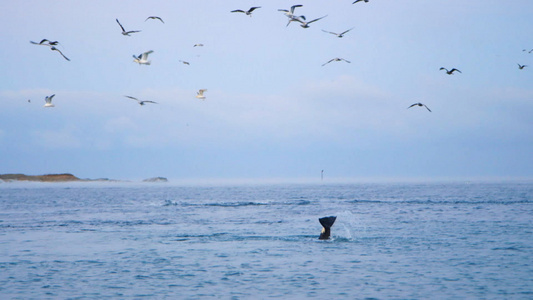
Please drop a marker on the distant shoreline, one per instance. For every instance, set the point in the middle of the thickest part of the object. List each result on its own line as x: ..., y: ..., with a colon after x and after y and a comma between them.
x: 64, y: 177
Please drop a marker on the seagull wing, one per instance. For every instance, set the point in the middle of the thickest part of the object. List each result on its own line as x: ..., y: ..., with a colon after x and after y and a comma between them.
x: 295, y: 6
x: 328, y: 62
x: 427, y: 108
x: 413, y: 105
x: 132, y: 98
x: 148, y: 101
x: 120, y: 26
x: 346, y: 31
x: 454, y: 69
x: 346, y: 60
x: 144, y: 56
x: 329, y: 32
x: 253, y: 8
x: 238, y: 10
x: 316, y: 19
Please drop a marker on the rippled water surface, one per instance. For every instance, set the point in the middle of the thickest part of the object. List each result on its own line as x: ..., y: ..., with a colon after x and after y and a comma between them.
x: 131, y: 241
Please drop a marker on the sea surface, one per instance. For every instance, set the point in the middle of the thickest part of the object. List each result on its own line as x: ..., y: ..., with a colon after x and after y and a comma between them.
x: 164, y: 241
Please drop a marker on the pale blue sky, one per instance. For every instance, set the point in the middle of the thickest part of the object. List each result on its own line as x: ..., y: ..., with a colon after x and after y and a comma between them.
x: 272, y: 109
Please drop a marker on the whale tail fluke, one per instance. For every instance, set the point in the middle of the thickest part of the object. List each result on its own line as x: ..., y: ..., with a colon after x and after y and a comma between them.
x: 326, y: 222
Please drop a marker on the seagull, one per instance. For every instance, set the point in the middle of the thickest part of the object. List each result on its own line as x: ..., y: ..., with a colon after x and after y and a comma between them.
x: 521, y: 67
x: 336, y: 59
x: 50, y: 44
x: 139, y: 101
x: 248, y: 12
x: 295, y: 19
x: 450, y: 72
x: 528, y: 51
x: 198, y: 45
x: 45, y: 42
x: 184, y: 62
x: 305, y: 24
x: 290, y: 13
x: 420, y: 104
x: 200, y: 94
x: 360, y: 1
x: 339, y: 35
x: 124, y: 32
x: 142, y: 59
x: 55, y: 49
x: 155, y: 18
x: 48, y: 100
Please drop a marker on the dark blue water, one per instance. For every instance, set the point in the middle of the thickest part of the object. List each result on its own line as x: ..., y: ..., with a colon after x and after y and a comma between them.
x: 157, y: 241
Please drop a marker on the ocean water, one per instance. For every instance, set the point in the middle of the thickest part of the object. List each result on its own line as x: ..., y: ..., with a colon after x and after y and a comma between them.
x: 163, y: 241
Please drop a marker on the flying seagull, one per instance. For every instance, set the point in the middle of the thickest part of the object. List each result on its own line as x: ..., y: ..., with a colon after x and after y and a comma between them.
x: 200, y: 94
x: 528, y: 51
x: 295, y: 19
x: 55, y: 49
x: 139, y: 101
x: 521, y: 67
x: 45, y: 42
x: 124, y: 32
x: 50, y: 44
x: 248, y: 12
x: 420, y: 104
x: 48, y: 100
x: 336, y: 59
x: 142, y: 59
x: 184, y: 62
x: 450, y: 72
x: 339, y: 35
x: 155, y: 18
x: 360, y: 1
x: 305, y: 24
x: 198, y: 45
x: 290, y: 12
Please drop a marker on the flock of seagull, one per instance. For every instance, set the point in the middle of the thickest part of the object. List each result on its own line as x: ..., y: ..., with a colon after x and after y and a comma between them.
x: 142, y: 59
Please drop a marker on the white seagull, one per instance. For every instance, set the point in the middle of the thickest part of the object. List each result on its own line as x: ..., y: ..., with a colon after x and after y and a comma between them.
x: 336, y: 59
x: 200, y: 94
x: 155, y: 18
x: 420, y: 104
x: 48, y: 100
x: 139, y: 101
x: 142, y: 59
x: 339, y: 35
x: 305, y: 24
x: 450, y: 72
x: 248, y: 12
x: 290, y: 12
x: 295, y: 19
x: 124, y: 32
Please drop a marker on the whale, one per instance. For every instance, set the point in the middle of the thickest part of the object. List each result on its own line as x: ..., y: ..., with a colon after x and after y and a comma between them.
x: 326, y: 223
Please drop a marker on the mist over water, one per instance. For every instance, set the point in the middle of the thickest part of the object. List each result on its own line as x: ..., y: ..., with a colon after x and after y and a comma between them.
x: 390, y: 240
